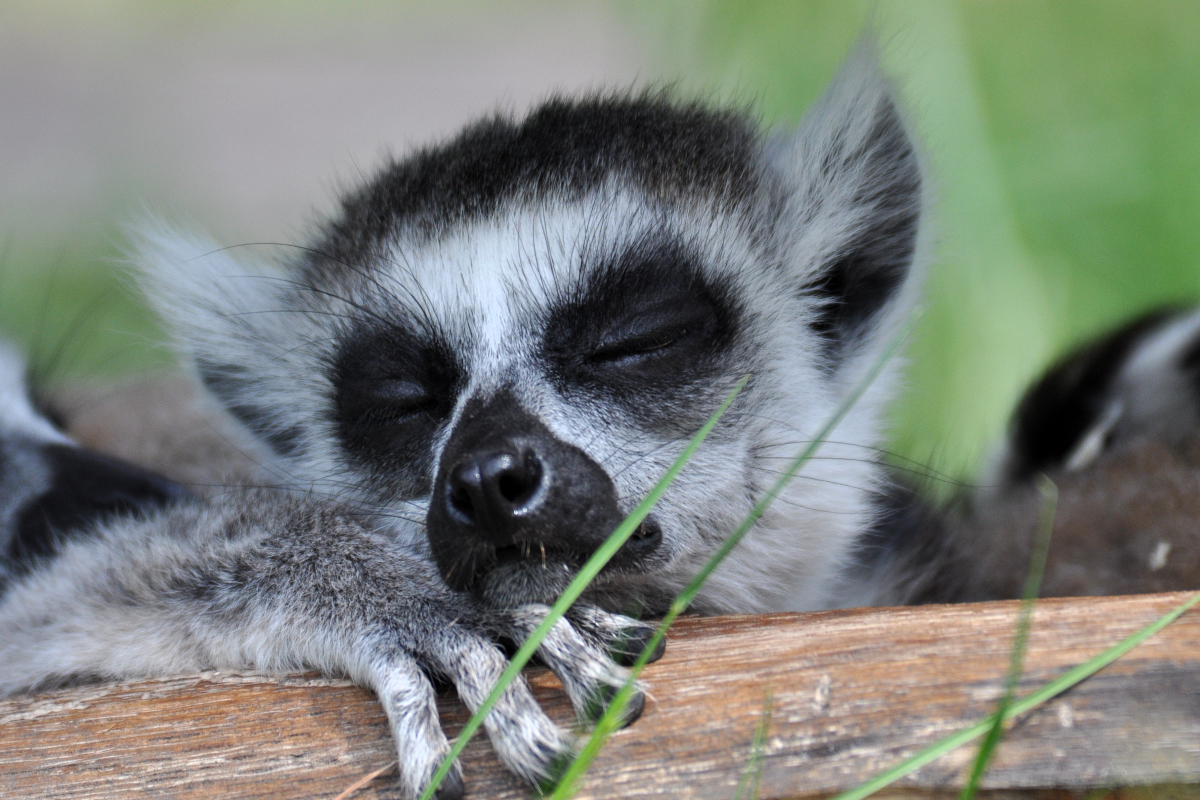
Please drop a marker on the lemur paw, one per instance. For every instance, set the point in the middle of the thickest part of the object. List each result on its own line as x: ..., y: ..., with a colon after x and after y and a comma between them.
x: 525, y: 739
x: 580, y: 652
x: 622, y: 637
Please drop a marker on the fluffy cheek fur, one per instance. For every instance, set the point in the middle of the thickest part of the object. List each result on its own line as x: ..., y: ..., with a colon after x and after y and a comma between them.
x: 819, y: 237
x: 789, y: 558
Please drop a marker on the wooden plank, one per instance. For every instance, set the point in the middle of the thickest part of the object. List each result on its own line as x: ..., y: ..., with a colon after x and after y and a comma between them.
x: 852, y: 692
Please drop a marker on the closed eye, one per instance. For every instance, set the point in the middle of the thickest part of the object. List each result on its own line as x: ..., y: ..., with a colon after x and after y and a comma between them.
x: 649, y: 324
x: 644, y: 344
x: 395, y: 401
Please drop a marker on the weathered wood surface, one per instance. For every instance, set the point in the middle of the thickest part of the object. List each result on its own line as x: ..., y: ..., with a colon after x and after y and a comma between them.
x: 852, y: 692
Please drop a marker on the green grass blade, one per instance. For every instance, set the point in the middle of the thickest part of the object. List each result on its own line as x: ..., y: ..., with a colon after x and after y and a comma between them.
x: 1033, y: 587
x: 586, y: 574
x: 752, y: 777
x: 1030, y: 701
x: 610, y: 720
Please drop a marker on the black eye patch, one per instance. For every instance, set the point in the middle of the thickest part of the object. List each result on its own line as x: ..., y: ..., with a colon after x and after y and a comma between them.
x: 653, y: 333
x: 386, y: 400
x: 393, y: 388
x: 648, y: 324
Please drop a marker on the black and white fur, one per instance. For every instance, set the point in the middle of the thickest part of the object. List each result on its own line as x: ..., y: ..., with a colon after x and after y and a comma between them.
x: 149, y: 579
x: 1115, y: 424
x: 607, y: 269
x: 469, y: 375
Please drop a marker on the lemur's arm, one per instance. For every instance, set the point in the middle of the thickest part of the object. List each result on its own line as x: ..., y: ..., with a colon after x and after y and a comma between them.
x: 260, y: 582
x: 148, y: 579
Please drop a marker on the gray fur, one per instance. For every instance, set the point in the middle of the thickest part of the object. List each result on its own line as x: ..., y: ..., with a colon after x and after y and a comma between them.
x: 268, y: 336
x: 23, y: 476
x: 262, y: 581
x: 484, y: 283
x: 486, y: 260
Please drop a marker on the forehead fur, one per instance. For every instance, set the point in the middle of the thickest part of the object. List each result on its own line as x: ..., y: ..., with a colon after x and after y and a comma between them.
x: 563, y: 149
x: 488, y: 287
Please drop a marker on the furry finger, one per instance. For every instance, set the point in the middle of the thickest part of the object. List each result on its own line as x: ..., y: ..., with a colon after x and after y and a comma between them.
x: 524, y: 738
x: 589, y: 676
x: 410, y: 702
x: 623, y: 637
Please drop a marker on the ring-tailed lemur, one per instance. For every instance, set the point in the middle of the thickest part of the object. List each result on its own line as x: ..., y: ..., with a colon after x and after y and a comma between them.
x: 1116, y: 425
x: 465, y: 380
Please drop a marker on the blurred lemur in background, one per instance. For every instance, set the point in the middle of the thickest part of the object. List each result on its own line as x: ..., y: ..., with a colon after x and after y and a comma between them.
x: 438, y: 408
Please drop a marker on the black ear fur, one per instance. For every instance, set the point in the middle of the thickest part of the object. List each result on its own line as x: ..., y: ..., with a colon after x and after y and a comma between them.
x: 856, y: 202
x: 1063, y: 405
x: 868, y: 271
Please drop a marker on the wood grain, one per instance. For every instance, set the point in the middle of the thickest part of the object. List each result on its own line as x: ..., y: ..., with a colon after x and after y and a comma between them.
x: 852, y: 692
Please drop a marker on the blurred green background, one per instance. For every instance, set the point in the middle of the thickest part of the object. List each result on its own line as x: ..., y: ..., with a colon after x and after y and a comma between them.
x: 1061, y: 139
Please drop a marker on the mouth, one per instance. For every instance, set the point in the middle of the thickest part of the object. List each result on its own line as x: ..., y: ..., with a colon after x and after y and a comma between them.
x: 531, y: 573
x: 645, y: 539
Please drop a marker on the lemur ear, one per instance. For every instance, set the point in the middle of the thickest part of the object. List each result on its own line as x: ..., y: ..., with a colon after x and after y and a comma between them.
x: 229, y: 319
x: 855, y: 187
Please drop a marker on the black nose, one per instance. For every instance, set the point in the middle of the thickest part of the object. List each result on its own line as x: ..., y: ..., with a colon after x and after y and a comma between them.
x: 509, y: 489
x: 490, y: 490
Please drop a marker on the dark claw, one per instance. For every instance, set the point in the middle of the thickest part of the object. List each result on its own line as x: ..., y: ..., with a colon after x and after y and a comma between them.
x: 634, y: 709
x: 626, y: 651
x: 603, y: 697
x: 452, y: 788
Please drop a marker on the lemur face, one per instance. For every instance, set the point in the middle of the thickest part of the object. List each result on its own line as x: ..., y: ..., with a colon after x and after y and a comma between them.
x: 556, y: 361
x: 501, y: 343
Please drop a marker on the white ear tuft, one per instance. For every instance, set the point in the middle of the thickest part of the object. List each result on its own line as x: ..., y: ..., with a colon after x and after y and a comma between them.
x: 203, y: 292
x: 234, y: 321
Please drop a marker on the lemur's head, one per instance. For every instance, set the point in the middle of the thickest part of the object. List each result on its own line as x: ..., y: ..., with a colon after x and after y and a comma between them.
x: 501, y: 342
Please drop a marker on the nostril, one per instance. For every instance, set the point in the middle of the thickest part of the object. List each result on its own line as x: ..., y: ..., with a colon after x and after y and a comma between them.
x: 490, y: 490
x: 460, y: 501
x: 518, y: 482
x: 463, y: 489
x: 512, y: 487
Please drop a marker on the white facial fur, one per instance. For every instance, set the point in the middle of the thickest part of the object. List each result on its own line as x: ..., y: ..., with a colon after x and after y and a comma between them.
x: 486, y: 285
